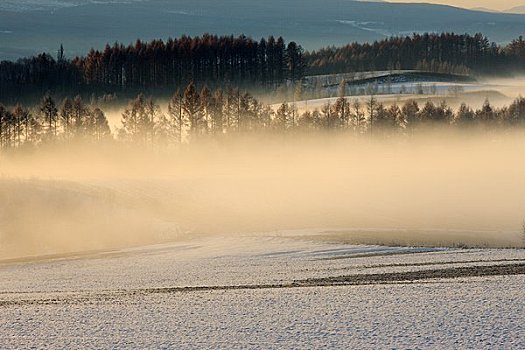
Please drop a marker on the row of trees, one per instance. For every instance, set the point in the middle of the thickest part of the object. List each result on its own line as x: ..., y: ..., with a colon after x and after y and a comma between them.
x: 73, y: 120
x: 157, y: 65
x: 160, y: 66
x: 445, y: 53
x: 373, y: 116
x: 192, y: 114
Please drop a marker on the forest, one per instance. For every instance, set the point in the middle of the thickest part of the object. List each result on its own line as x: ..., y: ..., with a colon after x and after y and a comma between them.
x: 445, y: 53
x: 209, y: 82
x: 156, y: 66
x: 191, y: 115
x: 159, y: 67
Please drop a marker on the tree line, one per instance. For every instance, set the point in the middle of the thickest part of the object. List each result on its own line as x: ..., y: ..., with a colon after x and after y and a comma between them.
x: 73, y: 120
x: 192, y: 114
x: 158, y: 65
x: 372, y: 116
x: 443, y: 53
x: 161, y: 66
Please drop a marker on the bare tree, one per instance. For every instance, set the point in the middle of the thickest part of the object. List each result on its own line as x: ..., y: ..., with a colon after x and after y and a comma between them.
x: 191, y: 105
x: 177, y: 119
x: 49, y: 113
x: 371, y: 107
x: 358, y: 117
x: 66, y: 116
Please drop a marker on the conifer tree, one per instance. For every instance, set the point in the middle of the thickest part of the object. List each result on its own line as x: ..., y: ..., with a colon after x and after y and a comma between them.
x: 358, y: 116
x: 217, y: 113
x: 100, y: 126
x: 192, y: 108
x: 135, y: 121
x: 79, y: 117
x: 342, y: 110
x: 282, y: 117
x: 49, y: 113
x: 177, y: 120
x: 66, y: 116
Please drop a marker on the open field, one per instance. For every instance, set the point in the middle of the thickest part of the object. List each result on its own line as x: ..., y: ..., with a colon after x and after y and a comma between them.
x: 267, y: 290
x: 215, y: 246
x: 242, y: 174
x: 399, y: 86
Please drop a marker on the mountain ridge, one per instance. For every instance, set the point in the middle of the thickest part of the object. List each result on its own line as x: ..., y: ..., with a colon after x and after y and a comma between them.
x: 516, y: 10
x: 312, y: 23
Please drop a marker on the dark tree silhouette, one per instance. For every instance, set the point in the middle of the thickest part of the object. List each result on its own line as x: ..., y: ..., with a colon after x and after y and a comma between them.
x: 157, y: 66
x: 445, y: 53
x: 192, y: 115
x: 191, y: 105
x: 177, y: 120
x: 99, y: 126
x: 50, y: 114
x: 136, y: 121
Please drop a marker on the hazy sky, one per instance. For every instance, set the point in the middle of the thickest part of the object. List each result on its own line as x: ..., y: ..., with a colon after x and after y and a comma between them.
x: 493, y: 4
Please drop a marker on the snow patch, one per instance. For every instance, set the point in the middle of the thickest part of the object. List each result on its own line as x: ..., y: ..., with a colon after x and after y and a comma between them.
x: 367, y: 26
x: 184, y: 13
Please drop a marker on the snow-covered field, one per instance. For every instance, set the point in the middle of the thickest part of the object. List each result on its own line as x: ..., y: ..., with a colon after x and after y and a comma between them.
x: 267, y: 290
x: 408, y: 85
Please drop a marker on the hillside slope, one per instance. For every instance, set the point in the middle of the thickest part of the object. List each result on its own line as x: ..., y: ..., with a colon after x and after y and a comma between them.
x: 81, y: 24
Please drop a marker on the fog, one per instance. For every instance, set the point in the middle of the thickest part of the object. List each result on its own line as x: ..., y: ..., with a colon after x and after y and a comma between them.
x: 511, y: 87
x: 434, y: 189
x: 500, y: 91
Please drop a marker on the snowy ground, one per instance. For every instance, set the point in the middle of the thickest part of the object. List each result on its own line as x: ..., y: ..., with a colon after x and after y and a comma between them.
x: 263, y: 291
x: 404, y: 87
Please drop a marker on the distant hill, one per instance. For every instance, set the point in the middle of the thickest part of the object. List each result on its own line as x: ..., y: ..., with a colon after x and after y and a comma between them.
x: 484, y: 9
x: 30, y: 26
x: 517, y: 9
